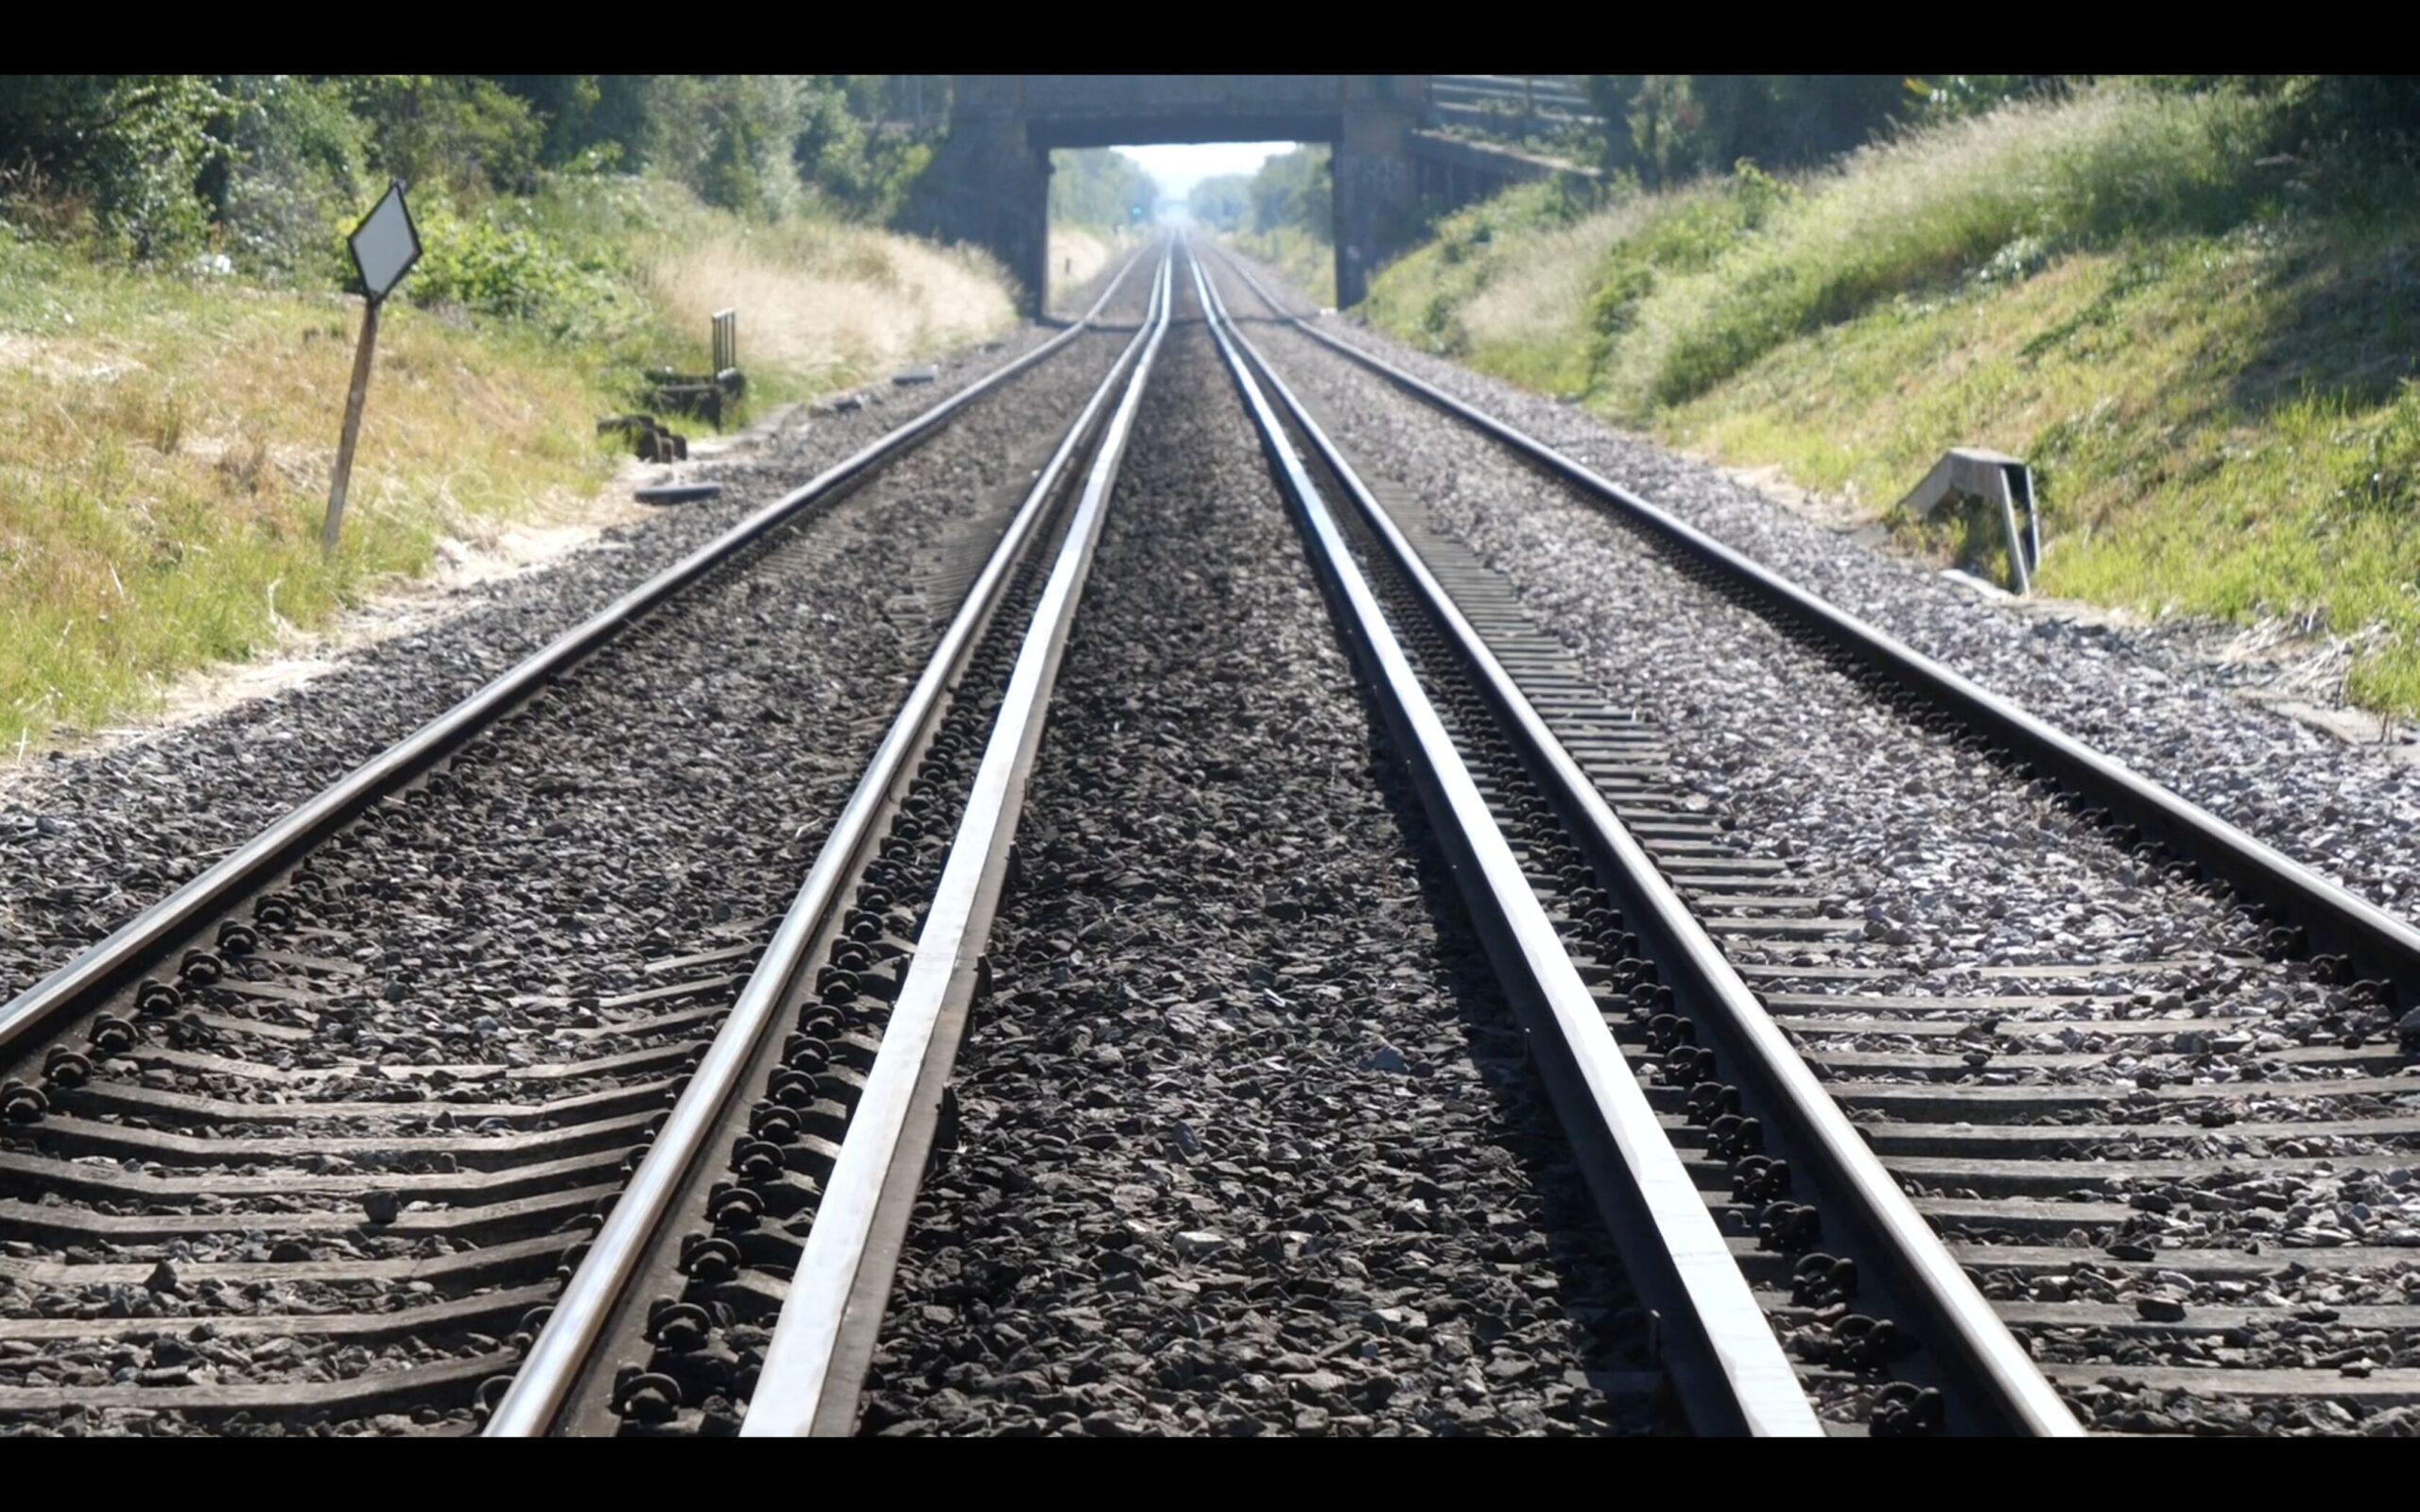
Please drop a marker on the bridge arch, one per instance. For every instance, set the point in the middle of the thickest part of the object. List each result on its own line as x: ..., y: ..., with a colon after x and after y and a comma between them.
x: 990, y: 179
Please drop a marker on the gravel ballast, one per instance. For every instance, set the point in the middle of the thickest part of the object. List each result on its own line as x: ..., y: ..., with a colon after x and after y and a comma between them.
x: 1949, y: 864
x: 88, y: 839
x: 2144, y: 696
x: 1960, y: 884
x: 451, y: 975
x: 1246, y: 1148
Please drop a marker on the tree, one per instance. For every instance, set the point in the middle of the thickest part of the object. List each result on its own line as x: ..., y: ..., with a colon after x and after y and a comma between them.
x: 294, y: 171
x: 459, y: 129
x: 1294, y: 189
x: 858, y: 144
x: 1223, y: 202
x: 127, y: 150
x: 1099, y: 186
x: 157, y: 167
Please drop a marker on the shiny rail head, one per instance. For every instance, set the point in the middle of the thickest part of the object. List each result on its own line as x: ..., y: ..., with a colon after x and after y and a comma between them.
x: 2015, y: 1392
x: 108, y: 966
x: 2351, y: 921
x: 563, y: 1352
x: 804, y: 1379
x: 1747, y: 1378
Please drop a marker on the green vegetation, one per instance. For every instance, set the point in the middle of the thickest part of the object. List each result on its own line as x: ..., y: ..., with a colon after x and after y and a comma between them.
x: 1295, y: 189
x: 157, y: 168
x: 1667, y: 128
x: 2189, y: 302
x: 1099, y: 186
x: 1223, y: 201
x: 175, y: 339
x: 165, y: 449
x: 1291, y: 215
x: 1305, y: 257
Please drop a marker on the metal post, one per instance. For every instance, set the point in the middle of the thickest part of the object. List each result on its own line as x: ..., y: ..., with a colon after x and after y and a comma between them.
x: 351, y: 427
x: 726, y: 341
x: 2032, y: 519
x: 2017, y: 575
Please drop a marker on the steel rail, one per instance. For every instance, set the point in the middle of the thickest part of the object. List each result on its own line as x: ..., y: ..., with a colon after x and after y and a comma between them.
x: 1953, y: 1318
x: 1751, y: 1385
x: 802, y: 1386
x: 542, y: 1388
x: 107, y: 965
x: 2333, y: 915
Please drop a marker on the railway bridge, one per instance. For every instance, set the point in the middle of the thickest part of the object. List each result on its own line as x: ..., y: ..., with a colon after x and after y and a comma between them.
x: 471, y: 1095
x: 992, y: 177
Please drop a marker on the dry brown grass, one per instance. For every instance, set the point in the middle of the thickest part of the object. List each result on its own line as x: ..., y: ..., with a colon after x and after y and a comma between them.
x: 823, y: 305
x: 165, y: 444
x: 163, y: 462
x: 1077, y: 254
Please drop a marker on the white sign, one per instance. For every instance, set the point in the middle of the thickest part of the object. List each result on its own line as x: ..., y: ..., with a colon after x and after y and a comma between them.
x: 385, y: 244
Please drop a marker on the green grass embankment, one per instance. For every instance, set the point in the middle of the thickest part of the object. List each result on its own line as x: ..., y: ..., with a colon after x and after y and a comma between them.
x: 2205, y: 345
x: 166, y: 439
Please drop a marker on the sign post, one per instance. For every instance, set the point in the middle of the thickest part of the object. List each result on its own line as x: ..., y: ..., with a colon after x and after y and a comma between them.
x: 384, y: 247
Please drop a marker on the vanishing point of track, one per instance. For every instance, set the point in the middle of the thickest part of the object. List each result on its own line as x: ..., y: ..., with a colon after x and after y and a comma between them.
x: 1851, y: 1192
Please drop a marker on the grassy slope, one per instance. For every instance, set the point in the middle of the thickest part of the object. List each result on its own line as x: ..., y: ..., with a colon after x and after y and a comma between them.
x: 163, y: 459
x: 2205, y: 353
x: 1077, y: 255
x: 824, y: 306
x: 1303, y: 256
x: 165, y: 445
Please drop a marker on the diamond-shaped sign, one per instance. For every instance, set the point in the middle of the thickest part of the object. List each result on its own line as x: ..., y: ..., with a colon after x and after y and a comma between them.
x: 385, y: 244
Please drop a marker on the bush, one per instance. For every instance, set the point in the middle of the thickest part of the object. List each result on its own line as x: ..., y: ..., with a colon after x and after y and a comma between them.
x: 457, y: 129
x: 295, y: 178
x: 499, y: 262
x: 125, y: 154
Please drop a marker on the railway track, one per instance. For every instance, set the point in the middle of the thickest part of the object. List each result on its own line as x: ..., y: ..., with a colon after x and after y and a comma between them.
x: 1249, y: 1146
x: 1092, y: 1119
x: 316, y: 1142
x: 2177, y: 1168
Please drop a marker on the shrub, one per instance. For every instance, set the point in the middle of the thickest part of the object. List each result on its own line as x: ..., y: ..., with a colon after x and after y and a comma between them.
x: 459, y: 129
x: 132, y: 146
x: 295, y: 178
x: 499, y: 262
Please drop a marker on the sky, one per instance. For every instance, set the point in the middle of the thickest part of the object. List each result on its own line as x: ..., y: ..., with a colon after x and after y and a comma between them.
x: 1177, y: 167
